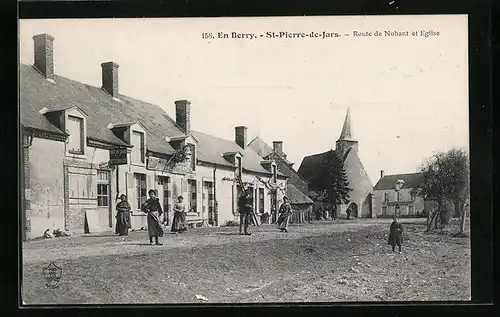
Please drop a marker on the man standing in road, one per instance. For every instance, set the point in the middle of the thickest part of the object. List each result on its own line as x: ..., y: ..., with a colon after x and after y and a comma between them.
x: 244, y: 208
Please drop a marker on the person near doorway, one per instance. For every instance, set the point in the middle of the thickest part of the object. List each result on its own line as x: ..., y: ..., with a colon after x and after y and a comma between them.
x: 396, y: 234
x: 284, y: 215
x: 122, y: 216
x: 179, y: 222
x: 152, y: 208
x: 245, y: 209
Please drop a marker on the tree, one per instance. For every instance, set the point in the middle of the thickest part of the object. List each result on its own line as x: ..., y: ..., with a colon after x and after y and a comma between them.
x: 445, y: 180
x: 335, y: 183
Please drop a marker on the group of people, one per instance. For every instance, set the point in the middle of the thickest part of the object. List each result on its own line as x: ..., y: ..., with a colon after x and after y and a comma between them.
x: 154, y: 211
x: 246, y: 210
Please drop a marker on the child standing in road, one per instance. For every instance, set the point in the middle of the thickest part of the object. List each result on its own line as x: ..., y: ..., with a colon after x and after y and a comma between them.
x: 396, y: 234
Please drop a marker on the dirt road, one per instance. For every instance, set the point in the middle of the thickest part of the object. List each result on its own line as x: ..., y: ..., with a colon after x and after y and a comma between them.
x: 344, y: 261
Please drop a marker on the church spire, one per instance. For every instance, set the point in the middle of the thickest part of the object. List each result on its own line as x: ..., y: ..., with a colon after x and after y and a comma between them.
x: 346, y: 129
x: 346, y: 142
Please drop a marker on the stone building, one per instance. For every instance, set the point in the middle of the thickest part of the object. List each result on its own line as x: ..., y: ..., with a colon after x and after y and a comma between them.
x: 386, y: 197
x: 313, y: 169
x: 83, y: 146
x: 297, y: 186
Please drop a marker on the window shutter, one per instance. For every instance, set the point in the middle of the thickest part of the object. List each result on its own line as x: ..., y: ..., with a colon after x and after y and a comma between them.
x: 150, y: 182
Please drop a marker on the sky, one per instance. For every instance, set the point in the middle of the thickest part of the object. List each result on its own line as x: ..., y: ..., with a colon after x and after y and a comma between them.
x: 408, y: 95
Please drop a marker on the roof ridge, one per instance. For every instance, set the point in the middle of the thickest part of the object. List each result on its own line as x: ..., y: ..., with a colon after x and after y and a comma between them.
x: 216, y: 137
x: 416, y: 173
x: 254, y: 139
x: 317, y: 154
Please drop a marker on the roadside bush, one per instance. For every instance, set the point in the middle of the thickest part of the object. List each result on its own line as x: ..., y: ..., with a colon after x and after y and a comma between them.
x: 446, y: 213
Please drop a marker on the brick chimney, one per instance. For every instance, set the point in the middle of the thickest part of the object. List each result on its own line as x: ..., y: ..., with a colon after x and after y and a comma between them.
x: 382, y: 174
x: 183, y: 115
x: 110, y: 78
x: 240, y: 136
x: 44, y: 54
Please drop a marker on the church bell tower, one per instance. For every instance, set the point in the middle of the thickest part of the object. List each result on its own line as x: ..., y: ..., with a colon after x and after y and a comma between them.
x: 346, y: 140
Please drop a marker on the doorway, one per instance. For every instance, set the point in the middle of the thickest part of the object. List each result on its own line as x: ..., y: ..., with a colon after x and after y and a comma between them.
x: 352, y: 211
x: 104, y: 210
x: 163, y: 194
x: 208, y: 203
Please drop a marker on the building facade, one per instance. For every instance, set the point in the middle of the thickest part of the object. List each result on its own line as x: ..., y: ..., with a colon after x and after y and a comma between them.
x: 297, y: 186
x: 387, y: 198
x: 84, y: 146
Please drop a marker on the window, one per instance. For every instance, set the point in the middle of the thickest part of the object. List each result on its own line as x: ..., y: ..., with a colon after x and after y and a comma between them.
x: 137, y: 141
x: 238, y: 166
x: 140, y: 189
x: 410, y: 210
x: 412, y: 195
x: 261, y: 200
x: 273, y: 168
x: 192, y: 195
x: 251, y: 194
x: 386, y: 197
x: 102, y: 189
x: 398, y: 196
x: 74, y: 126
x: 384, y: 211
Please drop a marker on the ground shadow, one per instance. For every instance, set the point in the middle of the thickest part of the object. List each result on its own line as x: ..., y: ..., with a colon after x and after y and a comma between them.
x: 227, y: 233
x: 100, y: 235
x: 139, y: 244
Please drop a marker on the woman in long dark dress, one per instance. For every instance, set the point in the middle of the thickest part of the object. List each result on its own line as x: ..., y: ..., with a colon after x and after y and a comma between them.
x: 396, y: 234
x: 179, y: 221
x: 153, y: 208
x: 122, y: 216
x: 285, y: 212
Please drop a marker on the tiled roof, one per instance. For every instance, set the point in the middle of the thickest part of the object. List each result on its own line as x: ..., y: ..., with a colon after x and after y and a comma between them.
x: 211, y: 148
x: 264, y: 150
x: 36, y: 92
x: 296, y: 196
x: 260, y: 147
x: 411, y: 180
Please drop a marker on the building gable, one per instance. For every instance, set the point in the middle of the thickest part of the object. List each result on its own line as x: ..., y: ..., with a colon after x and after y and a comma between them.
x: 294, y: 178
x: 358, y: 178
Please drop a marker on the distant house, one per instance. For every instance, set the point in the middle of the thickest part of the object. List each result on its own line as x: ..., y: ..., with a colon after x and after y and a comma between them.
x: 386, y: 198
x: 297, y: 186
x: 83, y: 146
x: 314, y: 170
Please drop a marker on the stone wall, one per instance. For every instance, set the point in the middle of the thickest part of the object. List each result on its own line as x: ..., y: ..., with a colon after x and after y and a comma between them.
x: 45, y: 186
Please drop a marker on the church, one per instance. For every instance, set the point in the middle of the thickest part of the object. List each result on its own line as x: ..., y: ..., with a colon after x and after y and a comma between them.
x: 313, y: 170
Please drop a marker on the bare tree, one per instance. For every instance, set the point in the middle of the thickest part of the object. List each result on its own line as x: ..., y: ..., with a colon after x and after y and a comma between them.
x: 446, y: 179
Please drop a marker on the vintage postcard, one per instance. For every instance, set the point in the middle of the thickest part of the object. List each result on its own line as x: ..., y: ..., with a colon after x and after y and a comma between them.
x: 245, y: 160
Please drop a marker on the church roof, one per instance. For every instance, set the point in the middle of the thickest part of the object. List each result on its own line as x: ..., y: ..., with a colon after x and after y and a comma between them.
x: 387, y: 182
x: 314, y: 167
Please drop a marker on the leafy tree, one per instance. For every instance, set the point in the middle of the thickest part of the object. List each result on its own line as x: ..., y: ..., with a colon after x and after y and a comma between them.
x: 446, y: 179
x: 334, y: 182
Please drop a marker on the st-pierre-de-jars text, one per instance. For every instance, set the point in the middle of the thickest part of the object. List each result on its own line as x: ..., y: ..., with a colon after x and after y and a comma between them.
x: 318, y: 34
